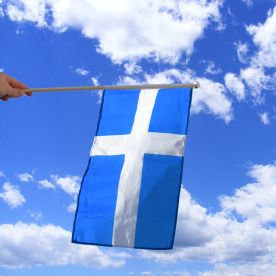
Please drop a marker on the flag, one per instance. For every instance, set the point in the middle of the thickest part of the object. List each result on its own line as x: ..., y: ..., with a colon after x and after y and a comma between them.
x: 130, y: 190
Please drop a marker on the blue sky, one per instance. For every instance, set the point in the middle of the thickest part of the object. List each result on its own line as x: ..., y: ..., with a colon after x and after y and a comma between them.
x: 227, y: 214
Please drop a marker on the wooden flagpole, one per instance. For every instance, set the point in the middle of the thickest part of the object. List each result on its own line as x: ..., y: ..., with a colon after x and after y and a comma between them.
x: 114, y: 87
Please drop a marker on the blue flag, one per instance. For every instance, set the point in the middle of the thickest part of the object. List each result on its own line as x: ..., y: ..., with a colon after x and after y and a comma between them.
x: 130, y: 190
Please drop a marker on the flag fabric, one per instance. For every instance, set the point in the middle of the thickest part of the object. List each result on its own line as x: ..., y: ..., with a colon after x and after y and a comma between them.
x: 130, y: 190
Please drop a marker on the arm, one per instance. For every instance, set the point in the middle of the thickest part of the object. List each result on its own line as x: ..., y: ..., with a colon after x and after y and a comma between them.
x: 10, y: 87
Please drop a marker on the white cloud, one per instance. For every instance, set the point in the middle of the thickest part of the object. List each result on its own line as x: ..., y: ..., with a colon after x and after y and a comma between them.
x: 82, y: 72
x: 69, y: 184
x: 211, y: 68
x: 264, y: 36
x: 255, y: 201
x: 239, y: 234
x: 235, y: 85
x: 46, y: 184
x: 25, y: 177
x: 249, y: 3
x: 197, y: 231
x: 2, y: 174
x: 256, y: 80
x: 163, y: 273
x: 27, y: 245
x: 72, y: 207
x: 175, y: 273
x: 252, y: 269
x: 242, y: 50
x: 1, y: 13
x: 98, y: 93
x: 129, y: 80
x: 132, y: 68
x: 28, y: 10
x: 264, y: 117
x: 147, y: 273
x: 95, y: 81
x: 1, y: 69
x: 127, y: 29
x: 210, y: 97
x: 255, y: 75
x: 35, y: 215
x: 12, y: 196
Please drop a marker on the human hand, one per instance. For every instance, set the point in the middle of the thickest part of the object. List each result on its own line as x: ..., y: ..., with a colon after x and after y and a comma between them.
x: 11, y: 88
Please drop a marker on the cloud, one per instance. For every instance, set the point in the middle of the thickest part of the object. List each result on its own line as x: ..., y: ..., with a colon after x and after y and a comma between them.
x: 256, y: 80
x: 25, y: 177
x: 211, y: 68
x: 82, y: 72
x: 27, y: 245
x: 28, y: 10
x: 249, y: 3
x: 95, y: 81
x: 255, y: 76
x: 164, y: 273
x: 209, y: 98
x: 46, y: 184
x: 72, y: 207
x: 147, y: 273
x: 253, y: 201
x: 235, y: 85
x: 264, y: 37
x: 126, y: 29
x: 238, y: 234
x: 35, y: 215
x: 1, y: 12
x: 264, y: 117
x: 132, y: 68
x: 97, y: 93
x: 242, y: 50
x: 69, y: 184
x: 2, y: 174
x: 198, y: 231
x: 252, y: 269
x: 12, y: 195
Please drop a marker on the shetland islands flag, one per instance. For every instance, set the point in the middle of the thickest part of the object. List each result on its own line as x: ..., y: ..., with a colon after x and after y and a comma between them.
x: 130, y: 191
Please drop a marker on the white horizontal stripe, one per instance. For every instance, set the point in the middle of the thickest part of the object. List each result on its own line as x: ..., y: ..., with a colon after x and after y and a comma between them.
x: 164, y: 143
x: 109, y: 145
x: 153, y: 143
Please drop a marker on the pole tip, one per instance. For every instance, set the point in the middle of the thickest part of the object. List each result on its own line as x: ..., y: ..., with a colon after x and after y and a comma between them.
x: 196, y: 84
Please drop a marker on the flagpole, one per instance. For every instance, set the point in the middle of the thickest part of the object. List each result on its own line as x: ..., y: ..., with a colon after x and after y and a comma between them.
x: 114, y: 87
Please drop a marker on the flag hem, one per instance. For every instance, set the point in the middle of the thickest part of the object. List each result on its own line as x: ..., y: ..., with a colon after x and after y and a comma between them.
x: 88, y: 165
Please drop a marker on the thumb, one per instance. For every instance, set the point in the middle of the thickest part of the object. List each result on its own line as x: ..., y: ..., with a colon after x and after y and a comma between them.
x: 15, y: 83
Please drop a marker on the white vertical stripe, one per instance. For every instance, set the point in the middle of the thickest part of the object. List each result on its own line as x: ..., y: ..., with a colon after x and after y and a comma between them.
x: 130, y: 181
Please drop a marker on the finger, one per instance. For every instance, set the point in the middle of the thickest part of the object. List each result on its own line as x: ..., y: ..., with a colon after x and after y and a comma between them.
x: 5, y: 98
x: 15, y: 83
x: 13, y: 92
x: 29, y: 93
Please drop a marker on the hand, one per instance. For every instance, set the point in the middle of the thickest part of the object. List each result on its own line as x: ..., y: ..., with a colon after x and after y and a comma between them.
x: 11, y: 88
